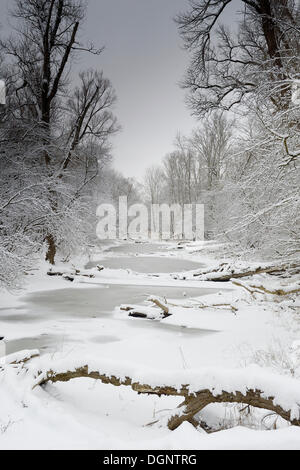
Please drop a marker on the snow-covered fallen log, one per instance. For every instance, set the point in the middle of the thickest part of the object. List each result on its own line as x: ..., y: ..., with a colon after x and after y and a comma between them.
x: 226, y: 271
x: 200, y: 305
x: 20, y: 357
x: 252, y: 386
x: 265, y: 287
x: 163, y: 309
x: 137, y: 311
x: 159, y: 312
x: 162, y: 305
x: 69, y: 275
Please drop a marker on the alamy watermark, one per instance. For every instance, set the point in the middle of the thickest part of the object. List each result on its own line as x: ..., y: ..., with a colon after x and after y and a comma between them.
x: 154, y: 221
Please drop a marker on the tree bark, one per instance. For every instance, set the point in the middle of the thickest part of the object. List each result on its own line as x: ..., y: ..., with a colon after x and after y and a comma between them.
x: 193, y: 403
x: 51, y: 251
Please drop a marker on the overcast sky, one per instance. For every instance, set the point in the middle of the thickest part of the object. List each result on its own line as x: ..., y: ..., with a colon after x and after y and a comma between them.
x: 145, y: 61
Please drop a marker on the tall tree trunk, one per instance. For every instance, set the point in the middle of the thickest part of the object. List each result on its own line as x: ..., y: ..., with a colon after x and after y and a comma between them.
x: 51, y: 251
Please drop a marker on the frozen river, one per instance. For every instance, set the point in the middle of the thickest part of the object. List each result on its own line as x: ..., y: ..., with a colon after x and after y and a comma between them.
x: 149, y: 264
x: 68, y: 318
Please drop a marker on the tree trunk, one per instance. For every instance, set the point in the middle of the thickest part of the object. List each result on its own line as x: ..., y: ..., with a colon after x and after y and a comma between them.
x: 51, y: 251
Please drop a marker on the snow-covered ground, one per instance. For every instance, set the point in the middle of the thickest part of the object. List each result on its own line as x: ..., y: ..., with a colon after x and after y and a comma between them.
x: 216, y: 326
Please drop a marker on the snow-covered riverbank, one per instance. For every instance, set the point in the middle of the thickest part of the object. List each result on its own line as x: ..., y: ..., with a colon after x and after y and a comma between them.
x: 82, y: 319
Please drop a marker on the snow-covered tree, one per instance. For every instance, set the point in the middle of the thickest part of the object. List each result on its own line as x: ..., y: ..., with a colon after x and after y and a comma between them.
x: 53, y: 140
x: 253, y: 71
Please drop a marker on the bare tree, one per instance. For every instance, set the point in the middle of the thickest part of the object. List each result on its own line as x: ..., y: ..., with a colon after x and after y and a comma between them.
x: 90, y: 109
x: 52, y: 141
x: 211, y: 143
x: 41, y: 50
x: 253, y: 70
x: 154, y: 184
x: 226, y: 68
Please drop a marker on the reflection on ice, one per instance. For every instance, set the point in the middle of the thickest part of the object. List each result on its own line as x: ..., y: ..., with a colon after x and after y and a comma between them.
x: 149, y: 264
x: 99, y: 303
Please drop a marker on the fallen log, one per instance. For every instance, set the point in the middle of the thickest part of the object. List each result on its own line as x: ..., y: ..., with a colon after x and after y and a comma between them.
x: 161, y: 305
x: 152, y: 314
x: 194, y: 401
x: 136, y: 314
x: 225, y: 272
x: 20, y: 357
x: 126, y: 308
x: 193, y: 405
x: 51, y: 273
x: 143, y: 312
x: 70, y: 276
x: 149, y: 313
x: 203, y: 306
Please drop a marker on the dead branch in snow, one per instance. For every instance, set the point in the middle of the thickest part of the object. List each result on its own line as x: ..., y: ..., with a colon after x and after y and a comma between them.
x: 225, y: 272
x: 143, y: 312
x: 159, y: 304
x: 260, y: 289
x: 193, y: 402
x: 201, y: 305
x: 126, y: 308
x: 20, y: 357
x: 136, y: 312
x: 70, y: 276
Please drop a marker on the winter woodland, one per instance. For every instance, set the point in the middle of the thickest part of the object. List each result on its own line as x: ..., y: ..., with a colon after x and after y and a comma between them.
x: 212, y: 325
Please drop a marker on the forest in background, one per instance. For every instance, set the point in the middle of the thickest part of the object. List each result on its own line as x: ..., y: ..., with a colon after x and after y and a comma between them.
x: 242, y: 161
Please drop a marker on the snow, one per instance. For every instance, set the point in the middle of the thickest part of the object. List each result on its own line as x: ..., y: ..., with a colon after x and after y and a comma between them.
x: 83, y: 415
x: 81, y: 322
x: 19, y: 356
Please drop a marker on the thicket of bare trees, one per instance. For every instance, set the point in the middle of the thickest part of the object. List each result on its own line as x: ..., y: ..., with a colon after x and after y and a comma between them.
x: 258, y: 62
x: 54, y: 141
x: 242, y: 161
x: 249, y: 183
x: 196, y: 171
